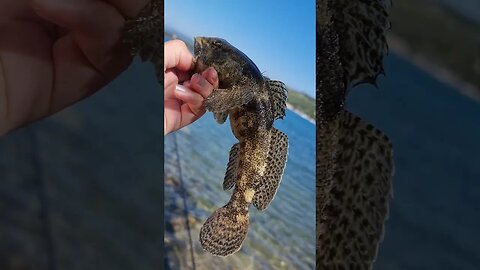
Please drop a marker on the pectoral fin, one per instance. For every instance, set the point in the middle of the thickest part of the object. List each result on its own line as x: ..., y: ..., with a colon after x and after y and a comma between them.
x: 222, y: 100
x: 144, y: 33
x: 144, y: 36
x: 231, y: 174
x: 278, y: 97
x: 361, y: 26
x: 266, y: 187
x: 351, y: 226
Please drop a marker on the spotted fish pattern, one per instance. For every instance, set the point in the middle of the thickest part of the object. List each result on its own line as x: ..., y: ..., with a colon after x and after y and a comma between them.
x: 361, y: 26
x: 144, y: 35
x: 256, y: 163
x: 354, y: 159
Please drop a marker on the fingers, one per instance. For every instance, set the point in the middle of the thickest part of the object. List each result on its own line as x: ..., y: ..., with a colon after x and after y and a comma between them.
x: 188, y: 99
x: 179, y: 114
x: 172, y: 116
x: 212, y: 76
x: 171, y: 79
x: 202, y: 84
x: 192, y: 99
x: 96, y: 27
x: 205, y: 83
x: 197, y: 89
x: 90, y: 55
x: 184, y: 103
x: 25, y: 74
x: 177, y: 56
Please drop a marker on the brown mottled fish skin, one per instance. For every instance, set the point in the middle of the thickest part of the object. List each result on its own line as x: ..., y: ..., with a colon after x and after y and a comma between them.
x: 232, y: 65
x: 144, y: 35
x: 253, y: 102
x: 354, y: 159
x: 330, y: 101
x: 251, y: 117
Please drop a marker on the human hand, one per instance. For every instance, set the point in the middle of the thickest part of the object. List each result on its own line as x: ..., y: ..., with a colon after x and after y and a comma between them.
x: 54, y: 53
x: 184, y: 103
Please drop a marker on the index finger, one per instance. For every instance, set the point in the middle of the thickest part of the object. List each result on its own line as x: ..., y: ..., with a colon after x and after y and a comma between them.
x: 177, y: 56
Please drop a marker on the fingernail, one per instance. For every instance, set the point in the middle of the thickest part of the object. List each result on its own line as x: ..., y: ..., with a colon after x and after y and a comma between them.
x: 201, y: 81
x: 180, y: 88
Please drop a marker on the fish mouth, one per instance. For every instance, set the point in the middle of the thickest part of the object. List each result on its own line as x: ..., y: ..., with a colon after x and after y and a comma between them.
x: 198, y: 46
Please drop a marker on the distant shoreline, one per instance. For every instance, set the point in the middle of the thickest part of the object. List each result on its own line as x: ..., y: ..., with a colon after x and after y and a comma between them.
x: 301, y: 114
x: 400, y: 47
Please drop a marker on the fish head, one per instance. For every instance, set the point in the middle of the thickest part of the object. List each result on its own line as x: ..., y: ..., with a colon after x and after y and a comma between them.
x: 224, y: 57
x: 212, y: 51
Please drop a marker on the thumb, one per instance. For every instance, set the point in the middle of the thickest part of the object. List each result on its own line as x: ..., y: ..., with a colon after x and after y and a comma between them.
x: 177, y: 56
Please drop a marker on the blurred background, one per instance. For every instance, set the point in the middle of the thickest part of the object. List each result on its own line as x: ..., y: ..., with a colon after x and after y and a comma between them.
x: 428, y: 104
x: 279, y: 36
x: 84, y: 189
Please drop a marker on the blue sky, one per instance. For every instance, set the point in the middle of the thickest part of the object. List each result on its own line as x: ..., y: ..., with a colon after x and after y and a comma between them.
x: 279, y: 36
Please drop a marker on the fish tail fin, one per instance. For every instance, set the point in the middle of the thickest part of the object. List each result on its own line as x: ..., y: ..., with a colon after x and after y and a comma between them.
x: 224, y: 231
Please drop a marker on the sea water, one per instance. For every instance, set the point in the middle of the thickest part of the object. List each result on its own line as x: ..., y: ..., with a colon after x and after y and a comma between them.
x: 435, y: 213
x: 281, y: 235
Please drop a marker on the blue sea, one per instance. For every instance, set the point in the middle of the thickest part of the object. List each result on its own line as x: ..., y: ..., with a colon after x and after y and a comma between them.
x: 282, y: 236
x: 99, y: 165
x: 435, y: 214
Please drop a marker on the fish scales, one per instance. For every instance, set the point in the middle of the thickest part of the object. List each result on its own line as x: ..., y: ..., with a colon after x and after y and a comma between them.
x: 257, y: 161
x: 330, y: 101
x: 253, y: 102
x: 354, y: 159
x: 144, y: 35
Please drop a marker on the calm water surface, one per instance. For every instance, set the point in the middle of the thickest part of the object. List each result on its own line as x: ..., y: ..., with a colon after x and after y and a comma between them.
x: 281, y: 236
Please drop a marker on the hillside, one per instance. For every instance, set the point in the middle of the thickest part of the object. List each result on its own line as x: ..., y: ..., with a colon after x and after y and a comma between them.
x: 301, y: 102
x: 440, y: 35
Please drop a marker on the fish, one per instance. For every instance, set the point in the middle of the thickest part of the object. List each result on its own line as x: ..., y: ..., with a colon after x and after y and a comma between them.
x: 257, y: 162
x: 354, y: 163
x: 144, y: 36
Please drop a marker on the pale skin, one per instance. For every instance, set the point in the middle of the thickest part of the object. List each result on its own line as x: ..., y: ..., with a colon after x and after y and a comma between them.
x: 54, y: 53
x: 184, y: 107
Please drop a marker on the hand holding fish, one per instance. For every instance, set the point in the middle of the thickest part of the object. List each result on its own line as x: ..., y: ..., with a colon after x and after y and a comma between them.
x: 184, y: 95
x: 55, y: 53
